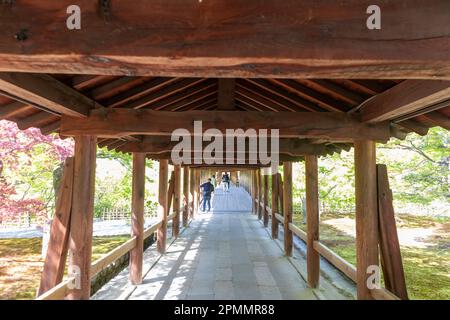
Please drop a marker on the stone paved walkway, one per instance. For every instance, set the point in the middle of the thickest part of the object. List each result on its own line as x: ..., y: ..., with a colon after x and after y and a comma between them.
x: 226, y: 254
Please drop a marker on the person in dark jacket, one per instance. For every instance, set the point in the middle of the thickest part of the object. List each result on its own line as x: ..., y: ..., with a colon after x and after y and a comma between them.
x: 207, y: 188
x: 226, y: 181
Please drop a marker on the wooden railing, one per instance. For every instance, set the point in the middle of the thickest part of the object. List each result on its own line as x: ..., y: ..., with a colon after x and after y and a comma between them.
x: 337, y: 261
x: 60, y: 291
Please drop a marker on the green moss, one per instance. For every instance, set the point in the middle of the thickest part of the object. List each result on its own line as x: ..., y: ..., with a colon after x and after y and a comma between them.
x: 21, y: 263
x: 427, y: 270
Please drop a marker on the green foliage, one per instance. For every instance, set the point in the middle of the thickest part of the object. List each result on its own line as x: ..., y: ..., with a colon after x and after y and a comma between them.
x: 418, y: 169
x: 116, y: 191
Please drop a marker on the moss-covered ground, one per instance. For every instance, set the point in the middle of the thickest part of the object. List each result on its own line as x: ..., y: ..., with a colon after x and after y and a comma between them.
x: 427, y: 267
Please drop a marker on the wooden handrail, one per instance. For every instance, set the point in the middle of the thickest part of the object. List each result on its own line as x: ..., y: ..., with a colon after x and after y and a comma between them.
x: 279, y: 217
x: 58, y: 292
x: 150, y: 230
x: 299, y: 232
x: 340, y: 263
x: 383, y: 294
x: 112, y: 256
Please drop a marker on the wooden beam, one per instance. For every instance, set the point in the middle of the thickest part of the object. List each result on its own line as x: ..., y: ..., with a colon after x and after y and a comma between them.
x: 287, y: 207
x: 163, y: 205
x: 12, y: 109
x: 186, y: 180
x: 404, y: 98
x: 366, y: 215
x: 176, y: 200
x: 227, y: 87
x: 163, y: 144
x: 391, y: 257
x: 275, y: 204
x: 126, y: 122
x: 82, y: 217
x: 208, y: 160
x: 47, y: 92
x: 437, y: 119
x: 58, y: 244
x: 219, y: 38
x: 312, y: 219
x: 137, y: 218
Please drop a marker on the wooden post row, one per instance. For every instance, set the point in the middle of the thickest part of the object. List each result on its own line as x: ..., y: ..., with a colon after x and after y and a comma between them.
x: 176, y: 200
x: 185, y: 196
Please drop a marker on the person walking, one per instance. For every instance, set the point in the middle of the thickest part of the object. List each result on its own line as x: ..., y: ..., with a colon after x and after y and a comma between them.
x: 226, y: 181
x: 213, y: 180
x: 207, y: 188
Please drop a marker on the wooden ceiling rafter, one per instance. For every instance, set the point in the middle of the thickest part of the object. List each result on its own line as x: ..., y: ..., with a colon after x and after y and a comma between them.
x: 163, y: 93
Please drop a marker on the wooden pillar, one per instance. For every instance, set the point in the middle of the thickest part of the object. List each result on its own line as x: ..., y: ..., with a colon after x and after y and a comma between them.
x: 312, y: 219
x: 254, y: 208
x: 137, y: 217
x: 266, y: 200
x: 258, y: 179
x: 176, y: 200
x: 163, y: 205
x: 197, y: 191
x: 280, y: 192
x: 185, y: 196
x: 82, y: 217
x: 366, y: 215
x: 191, y: 191
x: 287, y: 206
x: 275, y: 207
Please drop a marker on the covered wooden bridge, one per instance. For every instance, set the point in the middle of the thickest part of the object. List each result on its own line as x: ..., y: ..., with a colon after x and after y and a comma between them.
x: 136, y: 71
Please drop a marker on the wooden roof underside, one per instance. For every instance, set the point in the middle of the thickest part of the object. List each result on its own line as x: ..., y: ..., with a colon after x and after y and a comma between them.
x: 188, y: 94
x: 309, y: 68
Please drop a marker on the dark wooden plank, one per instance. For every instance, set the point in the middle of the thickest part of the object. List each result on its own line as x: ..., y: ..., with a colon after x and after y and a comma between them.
x: 404, y: 98
x: 226, y: 94
x: 35, y: 120
x: 137, y: 218
x: 47, y: 92
x: 12, y: 109
x: 58, y: 244
x: 233, y: 38
x: 126, y: 122
x: 163, y: 144
x: 437, y: 119
x: 391, y: 257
